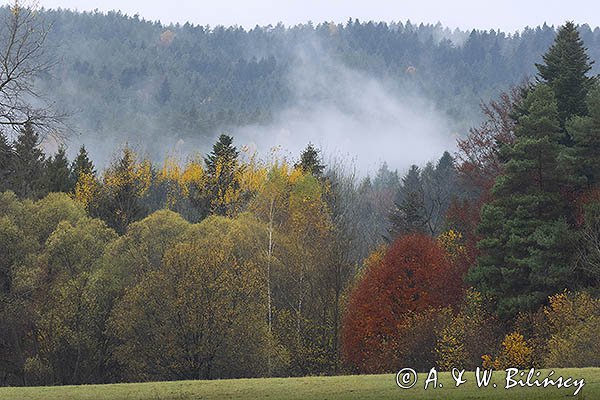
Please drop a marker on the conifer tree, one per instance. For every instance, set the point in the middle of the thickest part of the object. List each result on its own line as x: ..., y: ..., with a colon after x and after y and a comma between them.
x: 585, y: 132
x: 58, y: 173
x: 565, y: 69
x: 6, y: 163
x: 310, y: 161
x: 526, y: 240
x: 81, y: 165
x: 222, y: 169
x: 28, y: 164
x: 408, y: 215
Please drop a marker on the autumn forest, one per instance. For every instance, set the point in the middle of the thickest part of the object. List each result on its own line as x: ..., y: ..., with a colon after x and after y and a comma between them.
x: 232, y: 263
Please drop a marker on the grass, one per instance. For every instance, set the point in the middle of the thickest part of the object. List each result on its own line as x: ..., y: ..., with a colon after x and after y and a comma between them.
x: 330, y: 388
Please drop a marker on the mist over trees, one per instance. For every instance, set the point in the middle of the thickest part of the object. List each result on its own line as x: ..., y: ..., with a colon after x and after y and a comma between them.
x: 126, y: 78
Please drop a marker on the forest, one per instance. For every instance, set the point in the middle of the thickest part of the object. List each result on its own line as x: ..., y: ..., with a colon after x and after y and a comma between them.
x: 123, y: 78
x: 231, y: 264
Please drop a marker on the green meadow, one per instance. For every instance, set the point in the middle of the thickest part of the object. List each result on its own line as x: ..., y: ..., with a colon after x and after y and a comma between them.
x: 330, y: 388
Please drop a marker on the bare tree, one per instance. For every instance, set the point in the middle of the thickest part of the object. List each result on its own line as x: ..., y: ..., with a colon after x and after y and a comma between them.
x: 22, y: 61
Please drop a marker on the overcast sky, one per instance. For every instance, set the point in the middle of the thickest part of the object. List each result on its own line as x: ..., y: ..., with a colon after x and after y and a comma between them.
x: 507, y: 15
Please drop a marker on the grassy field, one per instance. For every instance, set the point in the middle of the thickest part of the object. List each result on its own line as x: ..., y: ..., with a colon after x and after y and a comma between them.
x: 331, y: 388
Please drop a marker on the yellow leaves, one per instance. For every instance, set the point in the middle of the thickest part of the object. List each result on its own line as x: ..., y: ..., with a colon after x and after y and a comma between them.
x: 573, y: 321
x: 86, y: 189
x: 451, y: 240
x: 515, y: 353
x: 129, y: 172
x: 192, y: 175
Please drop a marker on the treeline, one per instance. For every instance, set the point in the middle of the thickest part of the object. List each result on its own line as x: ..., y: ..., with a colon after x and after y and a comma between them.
x: 513, y: 280
x: 218, y: 266
x: 229, y: 266
x: 143, y: 79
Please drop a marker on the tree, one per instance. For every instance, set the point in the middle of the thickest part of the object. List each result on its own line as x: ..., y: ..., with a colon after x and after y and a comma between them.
x: 469, y: 334
x: 573, y: 320
x: 223, y: 181
x: 310, y: 161
x: 564, y: 70
x: 6, y: 162
x: 526, y: 240
x: 585, y: 131
x: 415, y: 274
x: 408, y: 215
x: 125, y: 184
x: 29, y: 164
x: 73, y: 304
x: 22, y: 61
x: 57, y: 171
x: 204, y: 307
x: 81, y: 165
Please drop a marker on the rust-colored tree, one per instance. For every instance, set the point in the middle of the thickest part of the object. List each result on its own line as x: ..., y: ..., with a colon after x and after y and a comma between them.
x: 415, y: 274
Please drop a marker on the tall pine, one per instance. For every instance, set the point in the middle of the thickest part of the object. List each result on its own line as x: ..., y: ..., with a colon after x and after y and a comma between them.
x: 6, y: 163
x: 57, y: 171
x: 565, y: 69
x: 29, y: 163
x: 310, y: 161
x: 223, y: 168
x: 81, y: 165
x: 526, y: 243
x: 585, y: 132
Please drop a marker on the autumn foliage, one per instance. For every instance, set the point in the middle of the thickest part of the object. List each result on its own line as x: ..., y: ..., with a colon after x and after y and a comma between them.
x: 415, y: 274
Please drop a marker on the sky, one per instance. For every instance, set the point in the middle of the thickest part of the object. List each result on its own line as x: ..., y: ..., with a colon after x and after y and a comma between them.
x: 506, y: 15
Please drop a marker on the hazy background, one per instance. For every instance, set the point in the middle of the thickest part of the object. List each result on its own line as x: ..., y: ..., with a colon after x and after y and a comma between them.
x: 340, y: 106
x: 506, y: 15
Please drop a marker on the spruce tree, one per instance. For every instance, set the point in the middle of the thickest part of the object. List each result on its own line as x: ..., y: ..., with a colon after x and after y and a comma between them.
x: 57, y: 170
x: 310, y: 161
x: 29, y: 164
x: 408, y: 215
x: 526, y: 240
x: 585, y: 132
x: 565, y: 69
x: 81, y: 165
x: 6, y: 163
x: 222, y: 168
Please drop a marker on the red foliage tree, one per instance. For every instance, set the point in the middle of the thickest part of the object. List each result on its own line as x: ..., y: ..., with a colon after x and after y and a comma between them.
x: 415, y: 274
x: 477, y: 156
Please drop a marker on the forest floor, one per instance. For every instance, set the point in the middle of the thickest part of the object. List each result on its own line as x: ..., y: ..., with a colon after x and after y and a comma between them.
x: 330, y: 388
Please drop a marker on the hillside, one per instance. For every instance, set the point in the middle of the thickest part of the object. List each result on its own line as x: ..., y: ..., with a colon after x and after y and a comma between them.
x: 127, y: 79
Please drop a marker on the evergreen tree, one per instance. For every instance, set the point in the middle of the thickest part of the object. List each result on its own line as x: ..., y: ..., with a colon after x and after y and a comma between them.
x: 6, y: 163
x: 222, y: 169
x: 565, y: 69
x: 526, y: 239
x: 57, y: 171
x: 126, y: 183
x: 408, y: 214
x: 81, y: 165
x: 585, y: 132
x: 28, y: 164
x: 310, y: 161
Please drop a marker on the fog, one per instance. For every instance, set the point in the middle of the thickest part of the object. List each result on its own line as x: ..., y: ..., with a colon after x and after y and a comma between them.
x: 348, y: 114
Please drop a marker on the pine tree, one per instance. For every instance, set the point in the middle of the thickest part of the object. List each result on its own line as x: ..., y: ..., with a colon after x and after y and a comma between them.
x: 126, y: 183
x: 526, y: 239
x: 310, y: 161
x: 408, y: 215
x: 81, y: 165
x: 57, y: 170
x: 565, y: 69
x: 585, y: 132
x: 6, y: 163
x: 28, y: 164
x: 223, y: 169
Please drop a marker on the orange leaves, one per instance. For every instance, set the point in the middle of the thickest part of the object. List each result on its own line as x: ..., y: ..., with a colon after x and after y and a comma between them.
x: 414, y: 275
